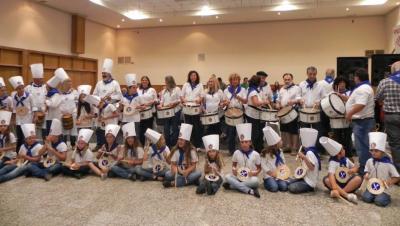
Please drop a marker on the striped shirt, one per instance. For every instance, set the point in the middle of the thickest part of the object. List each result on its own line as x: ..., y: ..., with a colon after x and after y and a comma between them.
x: 389, y: 91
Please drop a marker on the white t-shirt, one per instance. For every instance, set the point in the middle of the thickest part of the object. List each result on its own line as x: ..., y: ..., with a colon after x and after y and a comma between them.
x: 85, y: 156
x: 292, y: 93
x: 107, y: 112
x: 192, y: 94
x: 111, y: 89
x: 171, y: 98
x: 311, y: 96
x: 11, y: 154
x: 382, y: 171
x: 39, y: 96
x: 193, y: 156
x: 268, y: 164
x: 326, y: 87
x: 212, y: 101
x: 234, y: 102
x: 311, y: 177
x: 249, y: 109
x: 61, y: 147
x: 53, y: 107
x: 129, y: 154
x: 148, y: 95
x: 363, y: 95
x: 135, y: 117
x: 252, y: 162
x: 34, y: 150
x: 333, y: 165
x: 153, y: 157
x: 68, y: 102
x: 24, y: 101
x: 265, y: 92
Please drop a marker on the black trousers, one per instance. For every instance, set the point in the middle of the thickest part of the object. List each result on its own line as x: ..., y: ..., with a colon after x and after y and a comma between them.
x: 144, y: 125
x: 256, y: 133
x: 197, y: 131
x: 83, y: 170
x: 20, y: 137
x: 343, y: 136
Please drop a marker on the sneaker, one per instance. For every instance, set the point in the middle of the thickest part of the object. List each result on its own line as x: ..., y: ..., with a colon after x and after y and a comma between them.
x: 200, y: 190
x: 133, y: 177
x: 167, y: 184
x: 198, y: 149
x: 103, y: 176
x: 335, y: 194
x: 227, y: 186
x: 47, y: 177
x: 352, y: 198
x: 256, y: 193
x: 209, y: 188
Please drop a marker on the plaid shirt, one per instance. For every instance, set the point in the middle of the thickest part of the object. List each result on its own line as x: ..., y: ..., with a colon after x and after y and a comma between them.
x: 389, y: 91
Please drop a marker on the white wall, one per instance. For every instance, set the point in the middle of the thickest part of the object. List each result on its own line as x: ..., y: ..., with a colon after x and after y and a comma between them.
x: 276, y: 47
x: 28, y: 25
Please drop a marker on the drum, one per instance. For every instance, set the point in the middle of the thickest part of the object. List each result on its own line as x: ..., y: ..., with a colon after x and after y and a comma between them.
x: 209, y: 118
x: 129, y: 110
x: 191, y: 108
x: 282, y: 172
x: 211, y: 177
x: 252, y: 112
x: 269, y: 115
x: 309, y: 115
x: 376, y: 186
x: 333, y: 106
x: 105, y: 162
x: 67, y: 121
x: 342, y: 174
x: 40, y: 118
x: 21, y: 111
x: 158, y: 167
x: 233, y: 116
x: 300, y: 172
x: 339, y: 123
x: 287, y: 114
x: 49, y: 161
x: 146, y: 113
x: 243, y: 173
x: 165, y: 112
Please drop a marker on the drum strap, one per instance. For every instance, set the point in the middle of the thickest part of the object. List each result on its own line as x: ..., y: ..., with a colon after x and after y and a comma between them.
x: 20, y: 100
x: 156, y: 152
x: 29, y: 148
x: 278, y: 160
x: 2, y: 141
x: 315, y: 151
x: 395, y: 77
x: 342, y: 161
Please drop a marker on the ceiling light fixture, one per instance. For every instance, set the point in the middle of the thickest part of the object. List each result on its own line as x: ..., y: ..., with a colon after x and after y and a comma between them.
x: 123, y: 20
x: 279, y: 13
x: 97, y: 2
x: 397, y: 3
x: 285, y: 6
x: 118, y: 26
x: 194, y: 22
x: 135, y: 15
x: 347, y: 9
x: 373, y: 2
x: 216, y: 17
x: 161, y: 20
x: 206, y: 11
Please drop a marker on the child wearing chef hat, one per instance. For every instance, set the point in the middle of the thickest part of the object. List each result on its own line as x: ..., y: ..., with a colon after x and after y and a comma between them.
x: 380, y: 166
x: 5, y: 99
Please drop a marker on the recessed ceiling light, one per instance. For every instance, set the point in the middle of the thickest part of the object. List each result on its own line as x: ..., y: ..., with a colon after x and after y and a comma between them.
x: 135, y: 15
x: 285, y: 6
x: 397, y: 3
x: 123, y: 20
x: 279, y: 13
x: 118, y: 26
x: 216, y: 17
x: 373, y: 2
x: 347, y: 9
x: 194, y: 22
x: 97, y: 2
x: 161, y: 20
x: 206, y: 11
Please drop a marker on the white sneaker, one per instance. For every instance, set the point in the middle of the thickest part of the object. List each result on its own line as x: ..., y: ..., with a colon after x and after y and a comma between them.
x: 352, y: 198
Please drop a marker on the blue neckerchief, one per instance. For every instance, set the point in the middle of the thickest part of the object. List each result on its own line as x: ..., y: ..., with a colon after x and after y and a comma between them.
x: 51, y: 92
x: 384, y: 159
x: 35, y: 85
x: 113, y: 146
x: 251, y: 89
x: 131, y: 97
x: 193, y: 86
x: 247, y: 153
x: 395, y: 77
x: 181, y: 157
x: 2, y: 141
x: 342, y: 161
x: 261, y: 86
x: 156, y: 152
x: 2, y: 99
x: 29, y: 149
x: 289, y: 86
x: 66, y: 93
x: 21, y: 100
x: 274, y: 97
x: 328, y: 79
x: 144, y: 90
x: 108, y: 81
x: 310, y: 84
x: 315, y: 151
x: 54, y: 145
x: 360, y: 84
x: 278, y: 160
x: 233, y: 92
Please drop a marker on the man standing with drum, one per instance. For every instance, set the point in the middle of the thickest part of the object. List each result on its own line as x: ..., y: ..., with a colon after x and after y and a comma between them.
x: 388, y: 91
x: 289, y: 96
x: 360, y: 111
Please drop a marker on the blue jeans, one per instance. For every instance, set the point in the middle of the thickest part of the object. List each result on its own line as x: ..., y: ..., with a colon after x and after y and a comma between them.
x: 380, y: 200
x: 192, y: 178
x: 361, y: 128
x: 38, y: 170
x: 299, y: 186
x: 123, y: 172
x: 7, y: 168
x: 171, y: 130
x: 242, y: 186
x: 274, y: 185
x: 147, y: 173
x: 16, y: 172
x: 231, y: 134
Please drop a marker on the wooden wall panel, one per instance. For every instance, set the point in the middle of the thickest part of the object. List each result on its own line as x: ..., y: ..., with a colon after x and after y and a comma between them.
x: 11, y: 57
x: 51, y: 62
x: 66, y: 63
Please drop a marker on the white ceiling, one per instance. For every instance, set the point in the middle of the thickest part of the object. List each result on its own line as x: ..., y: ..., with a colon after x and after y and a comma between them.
x: 183, y: 12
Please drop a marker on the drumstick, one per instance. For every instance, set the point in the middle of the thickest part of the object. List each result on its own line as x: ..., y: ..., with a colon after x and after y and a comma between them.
x: 297, y: 156
x: 345, y: 200
x: 269, y: 105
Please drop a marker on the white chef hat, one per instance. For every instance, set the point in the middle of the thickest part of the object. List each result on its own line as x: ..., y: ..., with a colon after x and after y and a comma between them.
x: 130, y: 79
x: 16, y: 81
x: 113, y: 129
x: 129, y: 129
x: 377, y: 140
x: 211, y: 142
x: 107, y: 65
x: 37, y: 70
x: 153, y: 135
x: 92, y: 100
x: 185, y: 131
x: 271, y: 136
x: 28, y: 130
x: 85, y: 135
x: 331, y: 146
x: 308, y: 137
x: 244, y: 131
x: 55, y: 128
x: 84, y: 89
x: 5, y: 117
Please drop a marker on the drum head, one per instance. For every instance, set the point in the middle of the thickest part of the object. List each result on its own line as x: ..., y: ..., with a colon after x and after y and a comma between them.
x: 309, y: 110
x: 375, y: 186
x: 243, y: 173
x: 234, y: 113
x: 49, y: 162
x: 211, y: 177
x: 104, y: 162
x: 337, y: 103
x: 282, y: 172
x: 300, y: 172
x: 342, y: 174
x: 284, y: 111
x: 191, y: 104
x: 21, y: 111
x: 158, y: 167
x: 128, y: 110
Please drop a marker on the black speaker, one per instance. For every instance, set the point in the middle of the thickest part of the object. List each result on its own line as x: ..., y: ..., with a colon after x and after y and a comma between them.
x: 381, y: 66
x: 346, y: 66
